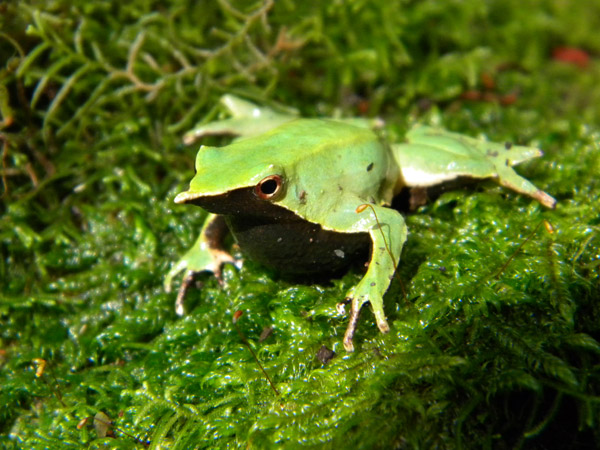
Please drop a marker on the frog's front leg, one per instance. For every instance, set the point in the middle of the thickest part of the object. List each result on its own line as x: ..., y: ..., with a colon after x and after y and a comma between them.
x: 206, y: 255
x: 388, y: 232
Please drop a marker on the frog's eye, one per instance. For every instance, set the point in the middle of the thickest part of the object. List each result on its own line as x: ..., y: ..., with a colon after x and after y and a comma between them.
x: 269, y: 187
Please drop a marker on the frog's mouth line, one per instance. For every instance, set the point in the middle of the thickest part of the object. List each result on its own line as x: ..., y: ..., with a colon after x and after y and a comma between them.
x: 187, y: 197
x: 238, y: 202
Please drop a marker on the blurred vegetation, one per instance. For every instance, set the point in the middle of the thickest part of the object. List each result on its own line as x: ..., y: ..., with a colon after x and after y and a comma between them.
x: 495, y: 344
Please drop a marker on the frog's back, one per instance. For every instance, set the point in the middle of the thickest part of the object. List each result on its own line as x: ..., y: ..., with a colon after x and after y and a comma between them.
x: 326, y: 159
x: 313, y: 136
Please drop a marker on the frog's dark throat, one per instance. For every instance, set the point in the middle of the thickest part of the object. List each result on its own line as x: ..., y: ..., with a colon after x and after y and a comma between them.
x: 280, y: 239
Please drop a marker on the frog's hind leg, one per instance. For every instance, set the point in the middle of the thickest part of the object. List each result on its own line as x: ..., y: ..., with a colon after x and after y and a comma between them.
x: 433, y: 156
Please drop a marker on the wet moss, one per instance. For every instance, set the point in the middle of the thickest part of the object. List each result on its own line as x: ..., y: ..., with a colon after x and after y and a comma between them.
x: 494, y: 344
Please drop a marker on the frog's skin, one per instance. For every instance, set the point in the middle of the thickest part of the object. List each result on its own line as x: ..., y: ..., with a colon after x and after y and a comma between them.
x: 292, y: 191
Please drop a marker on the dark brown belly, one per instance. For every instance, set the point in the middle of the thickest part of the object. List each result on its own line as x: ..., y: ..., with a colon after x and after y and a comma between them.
x: 280, y: 239
x: 297, y: 247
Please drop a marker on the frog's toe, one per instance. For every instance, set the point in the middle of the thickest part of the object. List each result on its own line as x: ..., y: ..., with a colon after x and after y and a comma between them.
x: 547, y: 200
x: 383, y: 326
x: 186, y: 282
x: 341, y: 306
x: 176, y: 269
x: 220, y: 258
x: 382, y: 323
x: 357, y: 304
x: 348, y: 345
x: 351, y: 329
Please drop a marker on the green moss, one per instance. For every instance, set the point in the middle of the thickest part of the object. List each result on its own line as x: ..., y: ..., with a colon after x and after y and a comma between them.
x: 494, y: 344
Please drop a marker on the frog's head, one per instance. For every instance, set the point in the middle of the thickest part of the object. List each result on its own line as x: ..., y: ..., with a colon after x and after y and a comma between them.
x: 234, y: 179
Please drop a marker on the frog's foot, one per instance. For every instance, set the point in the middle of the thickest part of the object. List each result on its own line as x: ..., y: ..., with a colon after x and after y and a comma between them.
x: 198, y: 259
x: 218, y: 259
x: 357, y: 303
x: 186, y: 282
x: 341, y: 306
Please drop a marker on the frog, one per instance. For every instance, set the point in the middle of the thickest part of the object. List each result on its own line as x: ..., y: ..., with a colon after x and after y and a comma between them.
x: 310, y: 195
